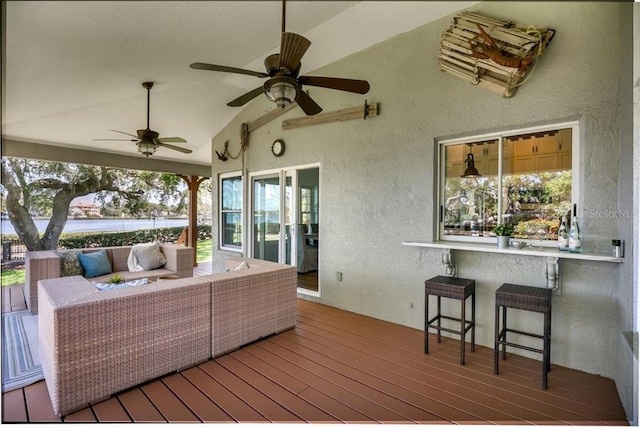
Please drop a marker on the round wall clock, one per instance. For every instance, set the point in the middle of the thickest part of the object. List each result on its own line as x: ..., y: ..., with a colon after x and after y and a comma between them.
x: 277, y: 148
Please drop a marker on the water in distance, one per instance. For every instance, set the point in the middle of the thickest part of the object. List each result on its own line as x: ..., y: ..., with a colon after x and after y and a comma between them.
x: 86, y: 225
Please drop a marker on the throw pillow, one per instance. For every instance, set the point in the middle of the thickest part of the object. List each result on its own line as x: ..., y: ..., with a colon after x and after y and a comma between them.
x: 132, y: 262
x: 70, y: 263
x: 149, y: 255
x: 95, y: 263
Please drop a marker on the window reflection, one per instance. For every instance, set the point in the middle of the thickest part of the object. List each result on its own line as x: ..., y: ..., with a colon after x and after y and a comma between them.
x: 533, y: 186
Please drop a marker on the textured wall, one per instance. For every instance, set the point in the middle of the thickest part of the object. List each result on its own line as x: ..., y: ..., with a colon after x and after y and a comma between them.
x: 377, y: 176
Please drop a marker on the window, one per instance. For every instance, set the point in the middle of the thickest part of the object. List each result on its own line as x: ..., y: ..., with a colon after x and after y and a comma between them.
x: 526, y: 178
x: 231, y: 211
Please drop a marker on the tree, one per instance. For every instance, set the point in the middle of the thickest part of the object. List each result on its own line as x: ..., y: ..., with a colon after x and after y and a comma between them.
x: 44, y: 187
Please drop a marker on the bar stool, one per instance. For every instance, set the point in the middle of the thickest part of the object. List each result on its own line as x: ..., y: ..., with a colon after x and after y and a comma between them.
x: 523, y: 298
x: 456, y: 288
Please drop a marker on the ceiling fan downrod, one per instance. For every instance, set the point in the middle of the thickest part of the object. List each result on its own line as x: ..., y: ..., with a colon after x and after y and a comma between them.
x: 148, y: 86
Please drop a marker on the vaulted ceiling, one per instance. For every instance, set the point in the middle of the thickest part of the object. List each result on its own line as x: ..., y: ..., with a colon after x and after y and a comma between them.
x: 73, y: 69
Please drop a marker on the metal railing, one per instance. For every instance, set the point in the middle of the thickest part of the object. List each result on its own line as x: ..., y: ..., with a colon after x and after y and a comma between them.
x: 13, y: 250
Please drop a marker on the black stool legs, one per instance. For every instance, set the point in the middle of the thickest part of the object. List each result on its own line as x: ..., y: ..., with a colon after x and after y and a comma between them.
x: 456, y: 288
x: 523, y: 298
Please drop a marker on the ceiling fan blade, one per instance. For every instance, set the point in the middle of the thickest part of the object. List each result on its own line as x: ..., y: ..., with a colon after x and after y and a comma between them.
x: 348, y: 85
x: 307, y: 104
x: 241, y: 100
x: 224, y: 69
x: 172, y: 147
x: 130, y: 140
x: 170, y: 139
x: 125, y: 133
x: 292, y: 48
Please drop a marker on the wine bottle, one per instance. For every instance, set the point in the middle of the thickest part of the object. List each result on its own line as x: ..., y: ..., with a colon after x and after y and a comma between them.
x: 563, y: 235
x: 575, y: 236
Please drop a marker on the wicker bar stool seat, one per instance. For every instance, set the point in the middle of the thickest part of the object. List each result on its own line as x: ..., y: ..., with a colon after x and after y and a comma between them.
x: 455, y: 288
x: 527, y: 298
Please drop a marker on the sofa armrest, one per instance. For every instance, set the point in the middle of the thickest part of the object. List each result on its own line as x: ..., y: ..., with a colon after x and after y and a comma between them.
x: 179, y: 259
x: 38, y: 265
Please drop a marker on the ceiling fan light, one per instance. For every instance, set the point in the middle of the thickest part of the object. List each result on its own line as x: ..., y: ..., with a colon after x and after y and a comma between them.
x: 282, y: 93
x: 146, y: 148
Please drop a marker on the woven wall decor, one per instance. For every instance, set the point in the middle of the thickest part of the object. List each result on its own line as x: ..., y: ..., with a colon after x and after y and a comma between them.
x: 497, y: 55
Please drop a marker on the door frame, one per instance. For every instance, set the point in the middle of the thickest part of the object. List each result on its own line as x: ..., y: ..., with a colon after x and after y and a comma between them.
x: 282, y: 174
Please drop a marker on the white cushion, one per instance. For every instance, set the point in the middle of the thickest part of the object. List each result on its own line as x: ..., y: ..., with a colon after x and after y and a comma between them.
x: 110, y: 286
x: 242, y: 266
x: 146, y: 256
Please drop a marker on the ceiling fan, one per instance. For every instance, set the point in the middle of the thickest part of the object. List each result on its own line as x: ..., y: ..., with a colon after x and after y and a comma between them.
x: 284, y: 84
x: 148, y: 140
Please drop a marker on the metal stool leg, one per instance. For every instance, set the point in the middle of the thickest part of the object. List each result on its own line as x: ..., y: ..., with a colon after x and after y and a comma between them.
x: 473, y: 322
x: 426, y: 323
x: 545, y: 350
x: 463, y: 325
x: 504, y: 328
x: 439, y: 324
x: 496, y: 342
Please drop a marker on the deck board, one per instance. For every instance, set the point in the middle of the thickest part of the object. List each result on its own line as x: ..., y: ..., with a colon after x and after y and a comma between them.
x: 13, y: 407
x: 232, y: 404
x: 195, y: 400
x: 110, y: 411
x: 338, y: 366
x: 139, y: 407
x: 39, y: 407
x: 288, y: 400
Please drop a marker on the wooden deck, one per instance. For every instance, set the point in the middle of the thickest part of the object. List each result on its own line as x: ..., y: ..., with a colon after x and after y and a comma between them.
x: 337, y: 366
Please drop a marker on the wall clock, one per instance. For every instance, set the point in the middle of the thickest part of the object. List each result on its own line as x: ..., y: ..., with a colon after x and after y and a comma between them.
x: 277, y: 148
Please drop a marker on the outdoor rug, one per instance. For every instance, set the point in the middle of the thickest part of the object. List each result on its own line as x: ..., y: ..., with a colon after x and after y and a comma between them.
x: 20, y: 353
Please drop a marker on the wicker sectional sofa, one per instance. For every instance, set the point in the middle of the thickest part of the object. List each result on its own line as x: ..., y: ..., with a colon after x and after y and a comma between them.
x: 96, y: 343
x: 46, y: 265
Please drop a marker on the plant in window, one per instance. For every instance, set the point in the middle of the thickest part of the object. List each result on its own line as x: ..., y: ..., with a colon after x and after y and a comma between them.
x: 503, y: 230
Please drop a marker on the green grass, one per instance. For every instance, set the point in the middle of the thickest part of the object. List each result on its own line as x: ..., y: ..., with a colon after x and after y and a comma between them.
x: 12, y: 277
x: 204, y: 251
x: 16, y: 276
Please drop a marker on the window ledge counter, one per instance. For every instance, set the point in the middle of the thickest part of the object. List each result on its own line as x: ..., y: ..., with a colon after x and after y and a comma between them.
x: 492, y: 248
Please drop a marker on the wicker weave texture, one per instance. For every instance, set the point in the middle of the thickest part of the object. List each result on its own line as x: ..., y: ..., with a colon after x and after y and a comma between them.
x: 95, y: 343
x: 38, y: 265
x: 450, y: 287
x: 252, y: 303
x: 524, y: 297
x: 46, y: 265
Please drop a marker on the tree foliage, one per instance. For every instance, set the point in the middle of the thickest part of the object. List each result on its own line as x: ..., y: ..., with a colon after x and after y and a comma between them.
x: 36, y: 187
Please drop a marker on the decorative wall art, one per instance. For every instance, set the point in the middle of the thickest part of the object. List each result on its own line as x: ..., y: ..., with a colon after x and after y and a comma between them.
x: 497, y: 55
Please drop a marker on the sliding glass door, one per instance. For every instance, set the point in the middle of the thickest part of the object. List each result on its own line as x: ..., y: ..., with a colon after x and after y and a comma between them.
x: 266, y: 218
x: 285, y: 217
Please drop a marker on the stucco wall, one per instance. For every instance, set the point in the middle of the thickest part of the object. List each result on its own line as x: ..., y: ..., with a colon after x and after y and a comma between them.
x: 377, y: 176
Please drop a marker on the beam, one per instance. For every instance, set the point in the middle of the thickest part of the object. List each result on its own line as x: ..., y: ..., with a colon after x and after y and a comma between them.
x: 31, y: 150
x: 266, y: 118
x: 353, y: 113
x: 193, y: 183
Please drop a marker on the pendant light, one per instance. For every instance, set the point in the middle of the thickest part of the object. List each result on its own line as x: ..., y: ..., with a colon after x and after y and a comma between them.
x: 471, y: 171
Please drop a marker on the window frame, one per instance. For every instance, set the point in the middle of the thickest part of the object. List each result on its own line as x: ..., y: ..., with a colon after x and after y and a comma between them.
x: 500, y: 136
x: 221, y: 212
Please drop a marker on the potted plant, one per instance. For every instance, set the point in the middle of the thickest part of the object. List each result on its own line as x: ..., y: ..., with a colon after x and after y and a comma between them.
x: 116, y: 278
x: 503, y: 232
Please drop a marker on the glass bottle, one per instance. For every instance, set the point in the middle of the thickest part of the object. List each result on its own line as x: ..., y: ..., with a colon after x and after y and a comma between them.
x: 563, y: 235
x: 575, y: 236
